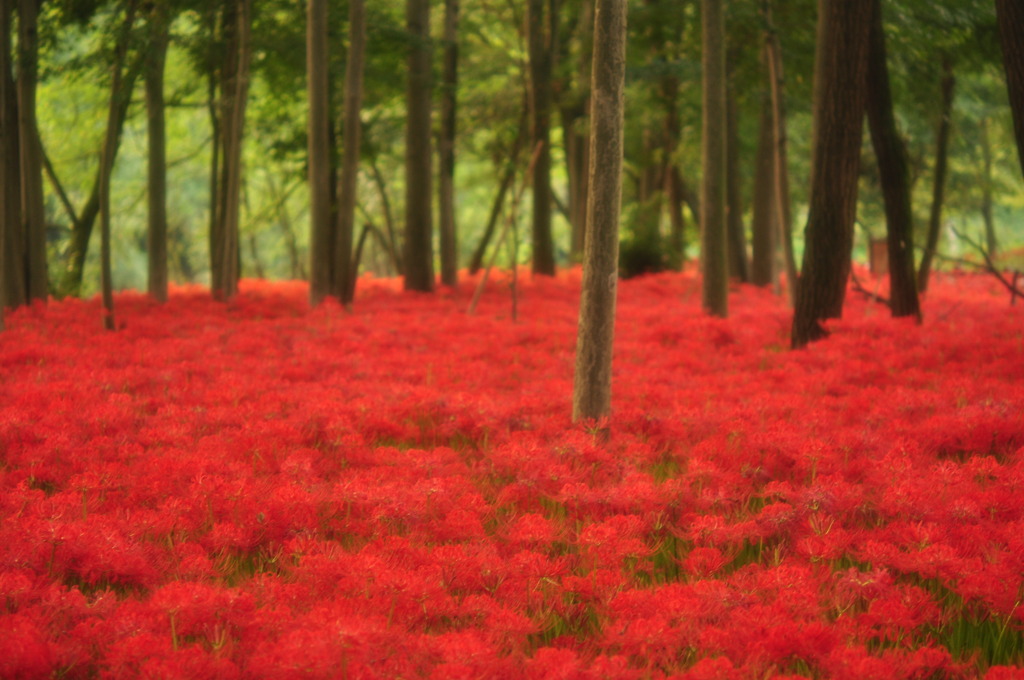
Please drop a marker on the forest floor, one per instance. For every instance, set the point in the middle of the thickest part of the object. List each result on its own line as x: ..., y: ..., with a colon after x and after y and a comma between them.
x: 261, y: 490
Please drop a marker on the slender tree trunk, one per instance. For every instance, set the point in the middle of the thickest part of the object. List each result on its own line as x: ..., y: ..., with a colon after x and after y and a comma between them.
x: 939, y: 181
x: 12, y: 264
x: 1010, y: 16
x: 714, y: 243
x: 763, y: 225
x: 322, y: 263
x: 738, y: 266
x: 419, y: 251
x: 352, y: 131
x: 492, y: 221
x: 840, y: 84
x: 672, y: 180
x: 33, y: 215
x: 895, y: 175
x: 784, y: 219
x: 117, y: 92
x: 539, y: 37
x: 157, y: 160
x: 991, y: 242
x: 446, y: 155
x: 593, y: 375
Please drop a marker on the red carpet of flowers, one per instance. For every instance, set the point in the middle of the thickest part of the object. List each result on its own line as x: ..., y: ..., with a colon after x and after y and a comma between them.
x: 258, y: 490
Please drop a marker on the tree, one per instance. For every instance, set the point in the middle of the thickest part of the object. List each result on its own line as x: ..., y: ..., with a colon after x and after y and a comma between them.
x: 33, y: 216
x: 419, y: 255
x: 714, y: 243
x: 159, y: 38
x: 12, y: 279
x: 1010, y: 16
x: 321, y: 250
x: 446, y: 152
x: 352, y: 134
x: 593, y: 377
x: 541, y: 34
x: 941, y: 171
x: 894, y: 172
x: 839, y: 96
x: 763, y: 224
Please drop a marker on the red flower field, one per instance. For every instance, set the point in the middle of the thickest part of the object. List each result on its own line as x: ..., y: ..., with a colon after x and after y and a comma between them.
x: 261, y: 490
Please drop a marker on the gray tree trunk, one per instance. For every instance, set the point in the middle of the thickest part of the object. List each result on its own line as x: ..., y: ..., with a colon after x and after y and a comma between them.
x: 321, y: 250
x: 714, y: 244
x: 419, y: 250
x: 593, y: 376
x: 352, y: 135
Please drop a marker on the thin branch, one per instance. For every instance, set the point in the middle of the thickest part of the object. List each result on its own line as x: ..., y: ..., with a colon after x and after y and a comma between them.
x: 991, y: 268
x: 870, y: 295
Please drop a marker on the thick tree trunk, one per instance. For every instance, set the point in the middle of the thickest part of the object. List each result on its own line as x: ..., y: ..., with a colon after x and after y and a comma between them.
x: 352, y: 136
x: 33, y: 216
x: 446, y: 153
x: 157, y: 160
x: 321, y: 251
x: 593, y: 375
x: 784, y: 219
x: 419, y: 251
x: 895, y: 175
x: 738, y: 266
x: 764, y: 218
x: 840, y: 83
x: 117, y: 92
x: 12, y: 264
x: 939, y: 180
x: 1010, y: 15
x: 539, y: 38
x: 714, y: 242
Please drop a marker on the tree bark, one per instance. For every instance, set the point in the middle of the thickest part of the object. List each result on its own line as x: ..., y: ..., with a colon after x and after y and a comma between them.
x: 419, y: 252
x: 33, y: 216
x: 156, y: 129
x: 12, y: 264
x: 714, y: 242
x: 1010, y: 16
x: 446, y: 155
x: 593, y: 376
x: 539, y: 38
x: 840, y: 83
x: 939, y: 180
x: 672, y: 179
x: 895, y: 175
x: 991, y: 242
x: 352, y: 136
x: 764, y: 218
x: 738, y: 265
x: 322, y: 261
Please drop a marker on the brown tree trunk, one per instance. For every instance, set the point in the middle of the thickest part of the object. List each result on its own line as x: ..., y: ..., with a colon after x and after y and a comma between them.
x: 419, y: 252
x: 939, y: 180
x: 593, y: 374
x: 738, y: 266
x: 764, y: 218
x: 672, y: 179
x: 840, y: 83
x: 540, y: 37
x: 157, y: 160
x: 1010, y: 16
x: 446, y: 153
x: 117, y: 92
x: 352, y: 133
x: 33, y: 216
x: 713, y: 226
x: 895, y: 175
x: 991, y: 242
x: 322, y: 262
x: 12, y: 264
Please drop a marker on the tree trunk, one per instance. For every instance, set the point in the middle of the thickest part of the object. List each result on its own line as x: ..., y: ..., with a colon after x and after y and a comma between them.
x: 764, y: 218
x: 492, y: 221
x: 714, y: 242
x: 672, y: 180
x: 539, y: 38
x: 12, y: 264
x: 738, y: 266
x: 1010, y: 16
x: 157, y: 161
x: 117, y: 92
x: 419, y: 252
x: 939, y: 180
x: 225, y: 255
x: 352, y: 136
x: 322, y: 263
x: 991, y: 242
x: 784, y: 219
x: 840, y: 83
x: 593, y: 375
x: 446, y: 155
x: 895, y: 175
x: 33, y: 216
